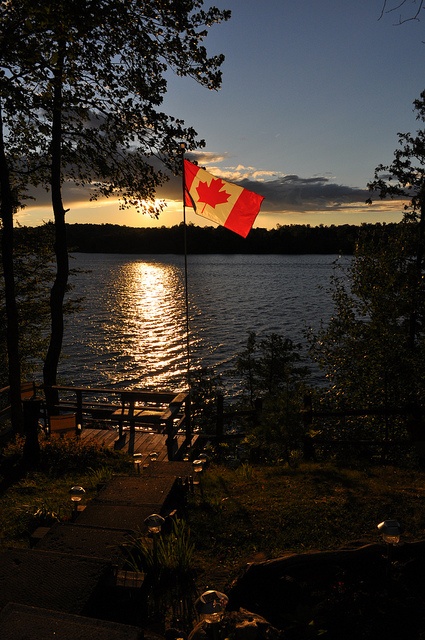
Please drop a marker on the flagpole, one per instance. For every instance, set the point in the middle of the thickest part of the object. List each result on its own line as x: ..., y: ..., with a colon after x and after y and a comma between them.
x: 186, y: 288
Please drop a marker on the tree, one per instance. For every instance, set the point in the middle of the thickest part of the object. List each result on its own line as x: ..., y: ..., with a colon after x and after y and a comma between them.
x: 246, y: 368
x: 15, y: 106
x: 8, y: 207
x: 272, y: 369
x: 373, y: 348
x: 205, y: 389
x: 414, y: 8
x: 34, y: 269
x: 405, y: 178
x: 364, y: 348
x: 90, y: 77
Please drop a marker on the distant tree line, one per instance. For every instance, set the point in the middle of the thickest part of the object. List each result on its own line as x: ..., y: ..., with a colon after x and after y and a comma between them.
x: 285, y: 239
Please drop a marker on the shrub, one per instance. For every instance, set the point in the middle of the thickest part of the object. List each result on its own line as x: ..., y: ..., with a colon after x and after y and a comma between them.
x: 167, y: 561
x: 59, y: 456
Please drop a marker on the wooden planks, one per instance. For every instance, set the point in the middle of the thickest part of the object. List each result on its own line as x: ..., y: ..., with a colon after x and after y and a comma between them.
x: 134, y: 442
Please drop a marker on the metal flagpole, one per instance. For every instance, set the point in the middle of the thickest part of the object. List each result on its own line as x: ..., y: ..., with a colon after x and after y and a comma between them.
x: 183, y: 147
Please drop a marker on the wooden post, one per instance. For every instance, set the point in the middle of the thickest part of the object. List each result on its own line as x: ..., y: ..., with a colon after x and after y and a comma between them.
x: 121, y: 419
x: 131, y: 417
x: 31, y: 413
x: 188, y: 420
x: 171, y: 441
x: 51, y: 395
x: 79, y: 408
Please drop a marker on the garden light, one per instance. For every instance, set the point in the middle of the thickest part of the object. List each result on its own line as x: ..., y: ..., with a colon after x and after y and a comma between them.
x: 197, y: 466
x: 391, y: 531
x: 137, y: 461
x: 76, y: 492
x: 211, y: 606
x: 154, y: 523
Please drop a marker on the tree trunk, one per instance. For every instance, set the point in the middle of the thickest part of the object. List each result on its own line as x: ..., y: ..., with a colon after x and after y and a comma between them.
x: 59, y: 287
x: 8, y: 207
x: 413, y: 324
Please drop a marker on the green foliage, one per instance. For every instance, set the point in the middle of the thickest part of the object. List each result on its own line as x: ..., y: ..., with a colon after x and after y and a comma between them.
x: 373, y: 348
x: 87, y: 85
x: 172, y: 552
x: 66, y: 455
x: 167, y: 560
x: 279, y: 365
x: 405, y: 176
x: 33, y: 266
x: 314, y: 506
x: 272, y: 369
x: 102, y: 475
x: 205, y: 389
x: 24, y: 520
x: 41, y: 497
x: 246, y: 471
x: 45, y: 516
x: 61, y: 456
x: 34, y: 501
x: 270, y: 366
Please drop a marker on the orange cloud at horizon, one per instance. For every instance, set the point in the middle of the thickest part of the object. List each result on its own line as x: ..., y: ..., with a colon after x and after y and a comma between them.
x: 108, y: 212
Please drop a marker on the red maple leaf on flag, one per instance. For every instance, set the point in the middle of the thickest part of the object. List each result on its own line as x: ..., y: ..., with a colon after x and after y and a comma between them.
x: 212, y: 193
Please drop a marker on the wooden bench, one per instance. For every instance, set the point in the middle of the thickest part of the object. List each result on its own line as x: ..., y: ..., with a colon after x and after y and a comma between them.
x: 63, y: 426
x: 155, y: 409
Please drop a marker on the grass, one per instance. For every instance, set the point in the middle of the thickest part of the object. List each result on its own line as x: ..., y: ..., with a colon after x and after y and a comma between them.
x: 253, y: 512
x: 264, y: 512
x: 37, y: 500
x: 240, y: 515
x: 30, y: 499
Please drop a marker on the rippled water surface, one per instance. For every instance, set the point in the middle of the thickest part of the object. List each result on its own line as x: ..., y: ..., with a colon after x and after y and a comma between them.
x: 131, y: 330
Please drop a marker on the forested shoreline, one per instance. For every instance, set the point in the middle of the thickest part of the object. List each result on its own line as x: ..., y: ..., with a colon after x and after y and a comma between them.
x: 285, y: 239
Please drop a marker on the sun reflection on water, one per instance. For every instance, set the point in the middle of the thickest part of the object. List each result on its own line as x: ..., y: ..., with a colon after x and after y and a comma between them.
x: 131, y: 328
x: 147, y: 316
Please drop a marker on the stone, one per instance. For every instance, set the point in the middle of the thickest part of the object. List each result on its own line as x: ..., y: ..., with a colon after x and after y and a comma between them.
x: 241, y: 625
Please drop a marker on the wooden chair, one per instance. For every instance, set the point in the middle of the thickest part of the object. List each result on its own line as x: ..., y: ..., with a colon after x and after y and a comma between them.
x: 64, y: 425
x: 28, y: 390
x: 130, y: 413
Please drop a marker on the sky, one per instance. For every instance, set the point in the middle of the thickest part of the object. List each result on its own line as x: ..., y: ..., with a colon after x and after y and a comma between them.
x: 314, y: 93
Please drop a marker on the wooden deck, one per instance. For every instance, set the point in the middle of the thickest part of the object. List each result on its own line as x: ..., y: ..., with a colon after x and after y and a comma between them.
x: 141, y: 442
x: 134, y: 421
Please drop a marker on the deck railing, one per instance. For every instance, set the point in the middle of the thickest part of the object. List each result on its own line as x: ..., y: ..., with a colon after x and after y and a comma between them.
x: 166, y: 412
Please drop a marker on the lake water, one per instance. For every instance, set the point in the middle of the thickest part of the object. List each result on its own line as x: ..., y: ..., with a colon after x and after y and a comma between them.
x: 131, y: 329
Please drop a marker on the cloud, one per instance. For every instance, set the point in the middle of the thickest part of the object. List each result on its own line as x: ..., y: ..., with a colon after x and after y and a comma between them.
x: 283, y: 193
x: 206, y: 157
x: 287, y: 192
x: 71, y: 194
x: 294, y: 193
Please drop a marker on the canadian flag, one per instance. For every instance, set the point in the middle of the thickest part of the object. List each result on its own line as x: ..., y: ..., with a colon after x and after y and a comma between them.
x: 223, y: 202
